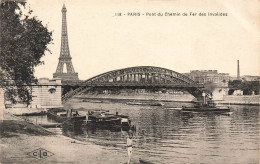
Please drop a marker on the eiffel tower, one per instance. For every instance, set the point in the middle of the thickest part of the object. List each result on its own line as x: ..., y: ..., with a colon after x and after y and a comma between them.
x: 65, y: 58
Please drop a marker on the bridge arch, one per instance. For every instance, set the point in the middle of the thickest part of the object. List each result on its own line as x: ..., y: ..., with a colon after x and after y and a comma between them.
x: 141, y: 74
x: 139, y: 77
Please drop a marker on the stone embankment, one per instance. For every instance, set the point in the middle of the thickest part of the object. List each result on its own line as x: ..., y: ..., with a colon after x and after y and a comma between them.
x: 242, y: 100
x: 143, y: 96
x: 228, y: 99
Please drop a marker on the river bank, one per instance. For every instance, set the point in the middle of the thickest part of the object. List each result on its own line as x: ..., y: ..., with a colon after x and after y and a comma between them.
x: 241, y: 100
x: 18, y: 138
x: 23, y: 111
x: 140, y: 96
x: 227, y: 99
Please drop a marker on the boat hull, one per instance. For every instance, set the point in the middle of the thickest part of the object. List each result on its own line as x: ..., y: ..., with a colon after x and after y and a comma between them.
x: 144, y: 104
x: 102, y: 119
x: 61, y: 119
x: 206, y: 109
x: 105, y: 122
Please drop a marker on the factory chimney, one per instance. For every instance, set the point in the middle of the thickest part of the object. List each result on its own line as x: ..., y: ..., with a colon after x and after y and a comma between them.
x: 238, y: 70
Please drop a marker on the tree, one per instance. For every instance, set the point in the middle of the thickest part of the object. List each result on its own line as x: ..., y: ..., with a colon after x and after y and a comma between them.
x: 23, y: 42
x: 248, y: 87
x: 235, y: 84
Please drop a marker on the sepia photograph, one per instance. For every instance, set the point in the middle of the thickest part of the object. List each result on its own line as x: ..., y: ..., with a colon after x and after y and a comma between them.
x: 130, y: 82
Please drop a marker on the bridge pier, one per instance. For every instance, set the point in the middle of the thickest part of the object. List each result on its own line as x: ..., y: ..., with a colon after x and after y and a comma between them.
x: 47, y: 93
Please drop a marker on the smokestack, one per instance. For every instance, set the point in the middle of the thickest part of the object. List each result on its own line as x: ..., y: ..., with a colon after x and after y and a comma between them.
x: 238, y: 70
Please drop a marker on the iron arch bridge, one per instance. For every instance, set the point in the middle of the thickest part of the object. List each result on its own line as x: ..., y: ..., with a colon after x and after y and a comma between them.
x: 139, y: 77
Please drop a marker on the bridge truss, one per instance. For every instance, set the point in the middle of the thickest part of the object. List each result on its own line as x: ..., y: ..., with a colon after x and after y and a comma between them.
x: 142, y: 77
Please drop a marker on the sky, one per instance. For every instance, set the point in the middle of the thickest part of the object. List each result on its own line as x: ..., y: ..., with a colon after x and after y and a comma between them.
x: 100, y: 42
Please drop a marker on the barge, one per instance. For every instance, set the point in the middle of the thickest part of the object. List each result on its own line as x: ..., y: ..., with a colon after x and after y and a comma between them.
x: 61, y: 115
x: 102, y: 118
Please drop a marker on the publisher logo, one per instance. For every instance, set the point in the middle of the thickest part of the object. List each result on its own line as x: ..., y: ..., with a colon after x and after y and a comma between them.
x: 40, y: 153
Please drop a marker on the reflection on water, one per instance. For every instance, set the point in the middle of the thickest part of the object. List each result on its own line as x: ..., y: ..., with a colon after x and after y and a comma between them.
x: 167, y: 135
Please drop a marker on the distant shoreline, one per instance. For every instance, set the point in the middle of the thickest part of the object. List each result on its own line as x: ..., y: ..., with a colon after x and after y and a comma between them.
x: 242, y: 100
x: 186, y: 98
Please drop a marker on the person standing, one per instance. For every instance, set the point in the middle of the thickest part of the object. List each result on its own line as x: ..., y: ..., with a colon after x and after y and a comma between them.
x: 69, y: 113
x: 129, y: 143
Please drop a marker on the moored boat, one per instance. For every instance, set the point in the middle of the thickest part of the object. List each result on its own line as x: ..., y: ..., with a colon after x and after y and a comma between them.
x: 145, y: 103
x: 105, y: 119
x: 91, y: 101
x: 210, y: 106
x: 156, y: 104
x: 61, y: 115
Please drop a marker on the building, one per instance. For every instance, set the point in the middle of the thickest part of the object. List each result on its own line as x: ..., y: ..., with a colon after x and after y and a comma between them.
x: 46, y: 93
x: 209, y: 76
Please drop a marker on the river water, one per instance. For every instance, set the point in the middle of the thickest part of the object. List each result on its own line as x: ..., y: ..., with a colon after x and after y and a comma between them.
x: 165, y: 134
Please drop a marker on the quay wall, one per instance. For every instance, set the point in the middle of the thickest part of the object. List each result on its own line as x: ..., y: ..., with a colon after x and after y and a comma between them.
x: 242, y: 99
x: 143, y: 96
x: 227, y: 99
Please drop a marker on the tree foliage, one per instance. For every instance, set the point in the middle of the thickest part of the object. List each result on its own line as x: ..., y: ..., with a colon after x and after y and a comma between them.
x: 248, y: 87
x: 24, y: 41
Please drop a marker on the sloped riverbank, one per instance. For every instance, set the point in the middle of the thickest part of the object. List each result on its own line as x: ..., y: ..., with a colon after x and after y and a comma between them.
x: 19, y: 142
